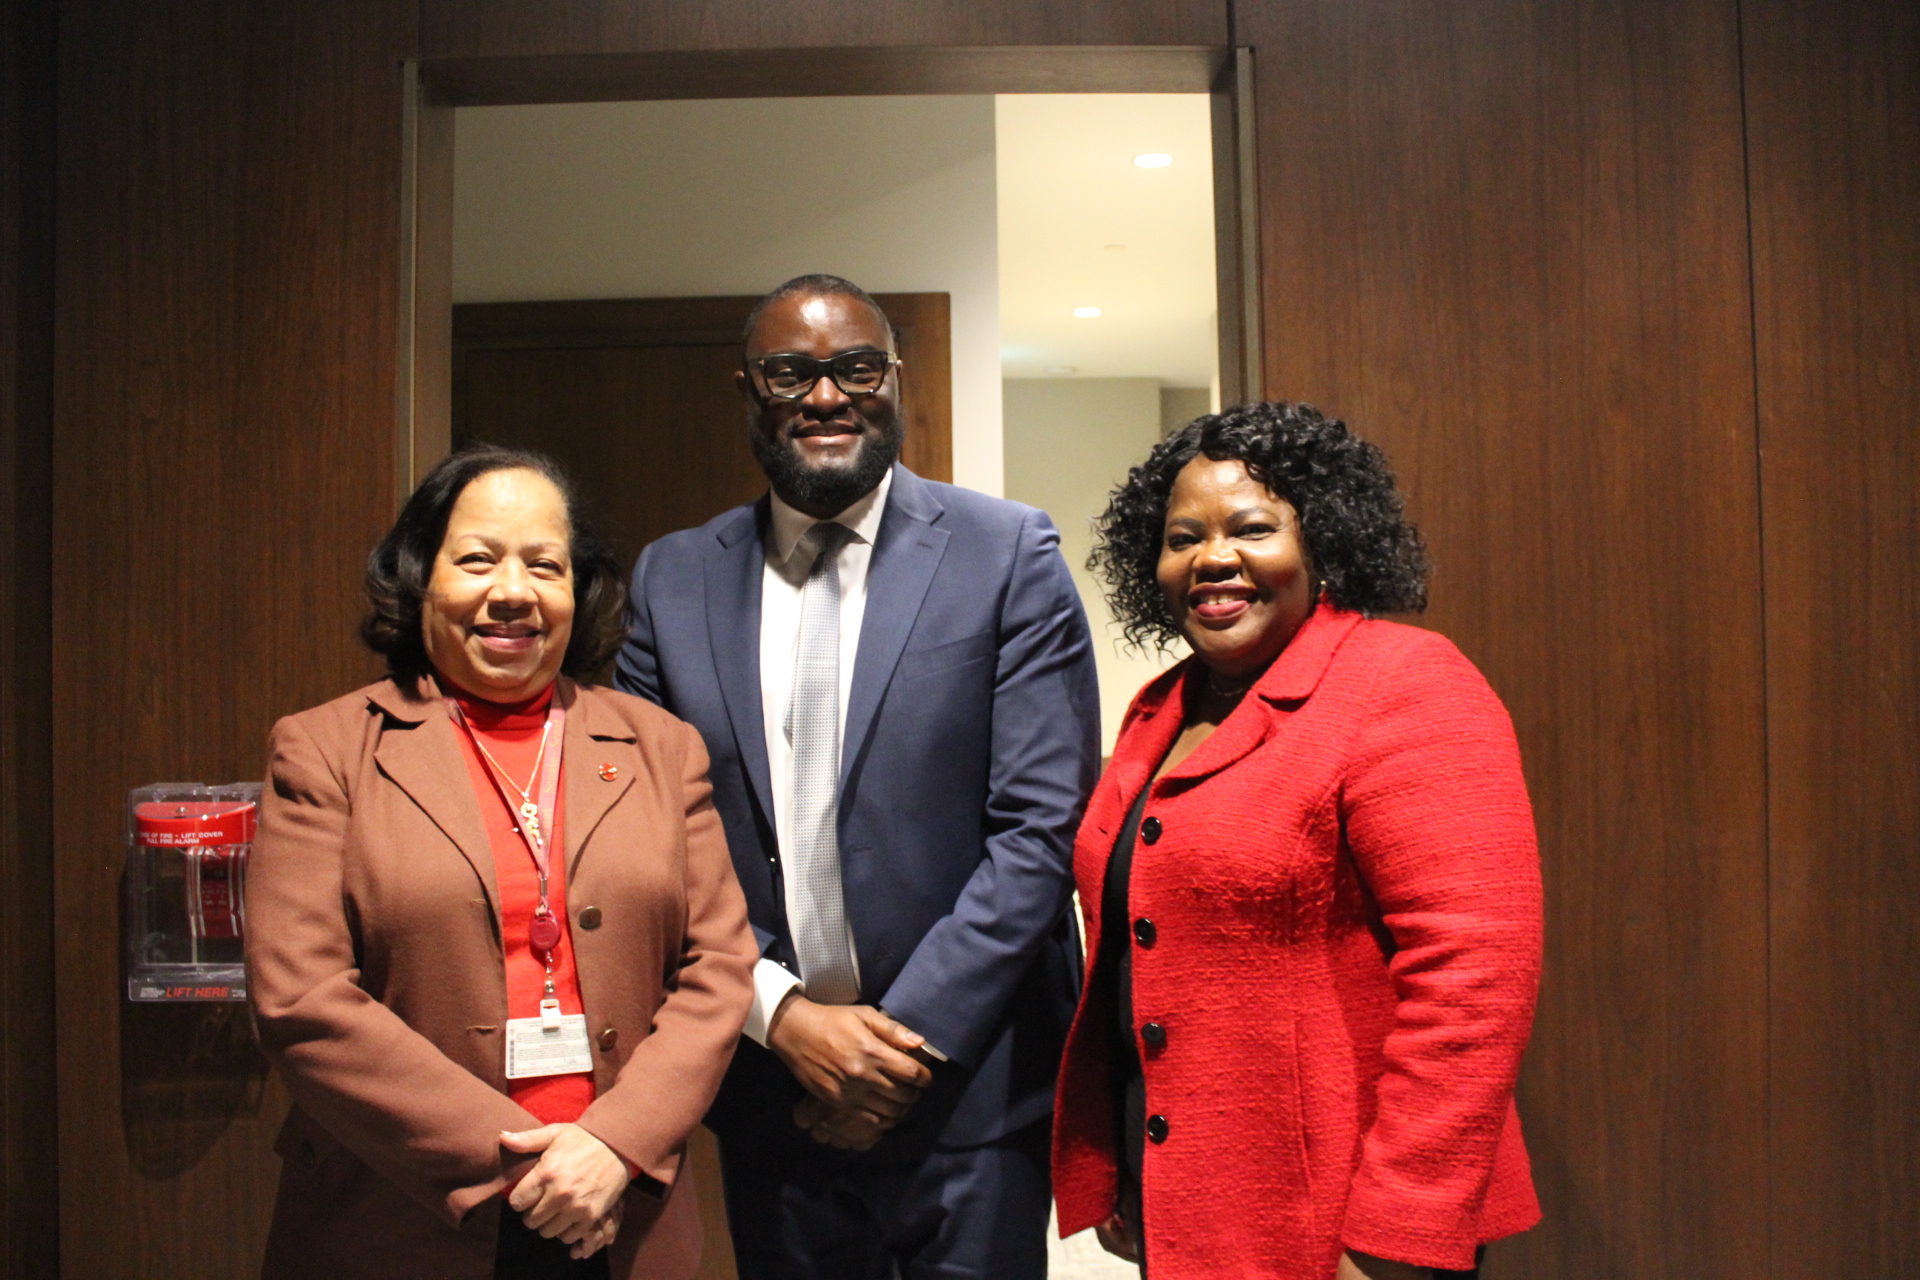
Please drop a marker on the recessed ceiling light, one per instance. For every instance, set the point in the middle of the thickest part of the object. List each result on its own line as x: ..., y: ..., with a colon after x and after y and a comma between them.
x: 1086, y: 313
x: 1062, y: 370
x: 1153, y: 160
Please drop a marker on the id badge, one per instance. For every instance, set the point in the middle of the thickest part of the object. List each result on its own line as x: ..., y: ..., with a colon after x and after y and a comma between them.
x: 553, y: 1044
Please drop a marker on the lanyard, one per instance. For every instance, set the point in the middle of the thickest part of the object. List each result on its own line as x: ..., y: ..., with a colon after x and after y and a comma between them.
x: 533, y: 821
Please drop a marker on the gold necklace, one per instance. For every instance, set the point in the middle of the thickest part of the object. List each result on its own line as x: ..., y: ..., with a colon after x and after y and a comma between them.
x: 529, y: 811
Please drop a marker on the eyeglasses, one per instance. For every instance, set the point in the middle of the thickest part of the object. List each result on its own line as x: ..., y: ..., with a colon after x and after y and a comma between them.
x: 792, y: 376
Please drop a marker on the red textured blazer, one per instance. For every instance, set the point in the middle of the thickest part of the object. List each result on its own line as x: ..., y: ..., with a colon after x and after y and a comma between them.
x: 1345, y: 897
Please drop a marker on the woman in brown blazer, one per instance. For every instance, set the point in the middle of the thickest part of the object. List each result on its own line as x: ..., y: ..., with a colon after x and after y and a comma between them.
x: 494, y: 941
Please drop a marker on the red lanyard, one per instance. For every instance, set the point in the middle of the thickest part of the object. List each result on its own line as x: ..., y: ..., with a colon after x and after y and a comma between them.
x: 533, y: 821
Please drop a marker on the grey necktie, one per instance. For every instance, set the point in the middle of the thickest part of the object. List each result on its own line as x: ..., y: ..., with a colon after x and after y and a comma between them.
x: 820, y: 939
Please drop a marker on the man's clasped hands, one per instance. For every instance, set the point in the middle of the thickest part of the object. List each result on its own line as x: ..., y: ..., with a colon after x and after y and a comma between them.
x: 862, y: 1071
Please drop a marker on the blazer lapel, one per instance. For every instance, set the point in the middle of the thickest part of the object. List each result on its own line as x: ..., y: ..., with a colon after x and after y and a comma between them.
x: 736, y: 565
x: 419, y: 753
x: 1149, y: 739
x: 1141, y: 748
x: 905, y: 555
x: 1291, y: 678
x: 589, y: 795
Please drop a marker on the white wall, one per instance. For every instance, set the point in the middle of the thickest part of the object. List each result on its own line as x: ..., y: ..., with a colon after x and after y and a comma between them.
x: 1069, y: 442
x: 684, y: 199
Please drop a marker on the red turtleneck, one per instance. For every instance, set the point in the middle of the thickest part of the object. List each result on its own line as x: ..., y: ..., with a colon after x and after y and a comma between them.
x: 511, y: 732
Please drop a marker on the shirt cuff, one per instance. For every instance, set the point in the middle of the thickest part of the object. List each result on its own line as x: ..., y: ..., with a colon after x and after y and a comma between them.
x: 771, y: 982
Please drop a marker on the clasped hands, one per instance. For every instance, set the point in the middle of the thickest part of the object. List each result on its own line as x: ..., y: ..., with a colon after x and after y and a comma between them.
x: 573, y: 1193
x: 862, y: 1070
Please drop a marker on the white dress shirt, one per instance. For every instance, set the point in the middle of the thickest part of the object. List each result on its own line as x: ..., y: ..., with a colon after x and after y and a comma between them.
x: 790, y: 559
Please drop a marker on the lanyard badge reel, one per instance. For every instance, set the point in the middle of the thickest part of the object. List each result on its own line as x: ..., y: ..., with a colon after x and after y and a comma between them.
x: 187, y: 846
x: 553, y: 1043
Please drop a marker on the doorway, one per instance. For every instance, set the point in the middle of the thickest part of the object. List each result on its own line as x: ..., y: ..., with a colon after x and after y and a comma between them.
x: 598, y: 257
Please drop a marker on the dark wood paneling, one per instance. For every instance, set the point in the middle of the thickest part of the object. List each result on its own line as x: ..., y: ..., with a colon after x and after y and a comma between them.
x: 1833, y: 96
x: 651, y: 435
x: 1506, y: 239
x: 29, y: 1205
x: 227, y: 260
x: 808, y: 73
x: 491, y: 28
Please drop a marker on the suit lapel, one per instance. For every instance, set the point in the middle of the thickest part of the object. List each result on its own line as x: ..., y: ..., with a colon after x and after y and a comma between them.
x: 736, y: 565
x: 419, y: 753
x: 905, y: 555
x: 589, y: 794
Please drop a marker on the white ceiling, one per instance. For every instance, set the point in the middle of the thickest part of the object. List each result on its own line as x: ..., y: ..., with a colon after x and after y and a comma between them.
x: 1069, y: 192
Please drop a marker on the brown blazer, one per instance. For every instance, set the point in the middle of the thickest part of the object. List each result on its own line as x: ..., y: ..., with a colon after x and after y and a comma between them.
x: 379, y: 987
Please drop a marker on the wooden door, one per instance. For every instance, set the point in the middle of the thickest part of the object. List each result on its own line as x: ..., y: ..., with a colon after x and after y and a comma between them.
x: 635, y: 397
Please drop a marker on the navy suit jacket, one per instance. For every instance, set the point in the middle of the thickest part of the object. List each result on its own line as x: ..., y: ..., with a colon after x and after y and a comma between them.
x: 971, y: 743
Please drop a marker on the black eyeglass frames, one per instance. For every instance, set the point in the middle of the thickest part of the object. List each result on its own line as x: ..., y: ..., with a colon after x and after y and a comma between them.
x: 789, y: 376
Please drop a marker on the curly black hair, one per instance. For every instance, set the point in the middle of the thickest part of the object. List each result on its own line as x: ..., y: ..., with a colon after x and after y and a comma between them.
x: 1358, y: 539
x: 401, y: 566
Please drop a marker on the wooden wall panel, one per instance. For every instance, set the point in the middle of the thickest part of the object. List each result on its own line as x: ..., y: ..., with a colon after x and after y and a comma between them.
x: 226, y: 266
x: 29, y: 1209
x: 1506, y: 239
x: 1833, y: 99
x: 491, y: 28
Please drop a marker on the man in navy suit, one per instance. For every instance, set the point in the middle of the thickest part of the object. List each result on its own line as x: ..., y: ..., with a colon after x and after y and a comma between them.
x: 895, y: 681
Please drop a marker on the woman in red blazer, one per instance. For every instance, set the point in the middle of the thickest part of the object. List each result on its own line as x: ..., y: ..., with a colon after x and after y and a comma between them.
x: 1311, y: 888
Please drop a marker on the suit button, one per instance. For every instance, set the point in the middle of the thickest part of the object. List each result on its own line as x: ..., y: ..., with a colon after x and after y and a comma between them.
x: 1153, y: 1033
x: 1150, y: 830
x: 1144, y: 932
x: 1156, y: 1129
x: 608, y: 1039
x: 589, y: 917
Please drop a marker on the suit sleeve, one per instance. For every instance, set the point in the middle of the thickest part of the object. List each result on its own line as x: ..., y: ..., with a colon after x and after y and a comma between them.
x: 373, y: 1083
x: 1045, y: 740
x: 667, y: 1084
x: 637, y: 668
x: 1439, y: 824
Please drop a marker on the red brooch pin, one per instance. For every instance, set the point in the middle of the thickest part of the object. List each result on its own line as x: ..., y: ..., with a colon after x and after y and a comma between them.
x: 608, y: 772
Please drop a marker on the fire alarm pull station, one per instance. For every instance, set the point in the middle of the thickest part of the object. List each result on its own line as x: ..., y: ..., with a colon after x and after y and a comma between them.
x: 187, y: 846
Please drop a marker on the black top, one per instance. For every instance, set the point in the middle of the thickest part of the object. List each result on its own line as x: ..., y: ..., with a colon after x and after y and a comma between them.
x: 1115, y: 964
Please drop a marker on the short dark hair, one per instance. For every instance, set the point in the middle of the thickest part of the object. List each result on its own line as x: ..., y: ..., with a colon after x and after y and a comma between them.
x: 1358, y: 539
x: 400, y: 567
x: 817, y: 285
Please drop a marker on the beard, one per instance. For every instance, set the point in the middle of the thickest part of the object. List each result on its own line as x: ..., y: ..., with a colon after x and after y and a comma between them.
x: 830, y: 488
